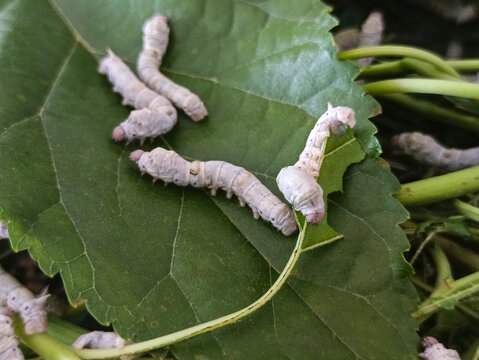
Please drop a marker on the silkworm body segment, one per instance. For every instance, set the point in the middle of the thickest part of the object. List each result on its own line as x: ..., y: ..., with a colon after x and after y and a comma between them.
x: 298, y: 182
x: 155, y: 41
x: 155, y: 114
x: 21, y: 300
x: 426, y: 149
x: 172, y: 168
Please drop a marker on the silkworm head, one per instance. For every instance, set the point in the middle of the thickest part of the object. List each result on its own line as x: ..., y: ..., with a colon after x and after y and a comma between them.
x: 118, y: 134
x: 136, y: 155
x: 429, y: 341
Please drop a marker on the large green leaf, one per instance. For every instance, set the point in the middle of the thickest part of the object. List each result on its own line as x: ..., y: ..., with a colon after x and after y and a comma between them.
x: 152, y: 260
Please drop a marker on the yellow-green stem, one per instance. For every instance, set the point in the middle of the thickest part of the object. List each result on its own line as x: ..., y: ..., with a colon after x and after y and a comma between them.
x: 439, y: 188
x: 424, y: 86
x: 204, y: 327
x: 399, y: 51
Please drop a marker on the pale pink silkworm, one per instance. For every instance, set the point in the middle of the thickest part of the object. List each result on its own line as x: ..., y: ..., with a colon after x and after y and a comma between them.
x: 155, y: 115
x: 3, y: 230
x: 101, y: 340
x: 427, y: 150
x: 21, y: 300
x: 155, y: 41
x: 298, y: 182
x: 8, y: 342
x: 371, y: 35
x: 434, y: 350
x: 172, y: 168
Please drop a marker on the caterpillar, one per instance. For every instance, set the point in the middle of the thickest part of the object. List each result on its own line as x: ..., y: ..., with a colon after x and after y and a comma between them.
x: 101, y: 340
x: 8, y: 342
x: 427, y: 150
x: 172, y: 168
x: 155, y: 115
x: 434, y: 350
x: 371, y: 35
x: 3, y: 230
x: 21, y: 300
x: 155, y: 41
x: 298, y: 182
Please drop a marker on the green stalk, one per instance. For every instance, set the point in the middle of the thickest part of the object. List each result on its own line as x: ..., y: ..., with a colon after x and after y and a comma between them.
x: 425, y: 69
x: 402, y: 51
x: 435, y: 112
x: 448, y: 296
x: 424, y: 86
x: 467, y: 210
x: 469, y: 65
x: 439, y: 188
x: 208, y: 326
x: 459, y: 253
x: 387, y: 68
x: 44, y: 345
x: 443, y: 269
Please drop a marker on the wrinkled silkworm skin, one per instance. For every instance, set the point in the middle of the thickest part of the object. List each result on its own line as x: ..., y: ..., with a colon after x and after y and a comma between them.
x: 8, y: 342
x: 371, y: 35
x: 172, y: 168
x: 101, y: 340
x: 427, y: 150
x: 155, y: 41
x: 434, y: 350
x: 298, y: 182
x: 155, y: 115
x: 3, y: 230
x: 21, y: 300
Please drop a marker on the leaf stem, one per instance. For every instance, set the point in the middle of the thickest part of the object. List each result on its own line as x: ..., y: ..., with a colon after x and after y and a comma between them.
x: 433, y: 111
x: 424, y: 86
x: 439, y: 188
x: 402, y: 51
x: 204, y: 327
x: 467, y: 65
x: 447, y: 297
x: 467, y: 210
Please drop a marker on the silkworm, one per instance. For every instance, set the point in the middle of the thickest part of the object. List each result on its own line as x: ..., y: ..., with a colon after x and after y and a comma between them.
x: 21, y: 300
x: 3, y: 230
x: 427, y: 150
x: 434, y: 350
x: 172, y: 168
x: 8, y: 342
x: 155, y: 115
x: 371, y: 35
x: 101, y: 340
x: 155, y: 41
x: 298, y: 182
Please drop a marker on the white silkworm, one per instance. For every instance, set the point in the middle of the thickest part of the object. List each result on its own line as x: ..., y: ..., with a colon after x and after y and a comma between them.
x: 172, y: 168
x: 434, y: 350
x: 101, y: 340
x: 21, y: 300
x: 427, y: 150
x: 3, y: 230
x: 155, y: 115
x: 8, y: 342
x: 298, y: 182
x: 155, y: 41
x: 371, y: 35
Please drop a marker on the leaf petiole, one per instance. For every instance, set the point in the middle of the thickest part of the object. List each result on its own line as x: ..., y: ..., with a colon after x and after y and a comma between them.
x: 439, y: 188
x: 203, y: 328
x: 401, y: 51
x: 424, y: 86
